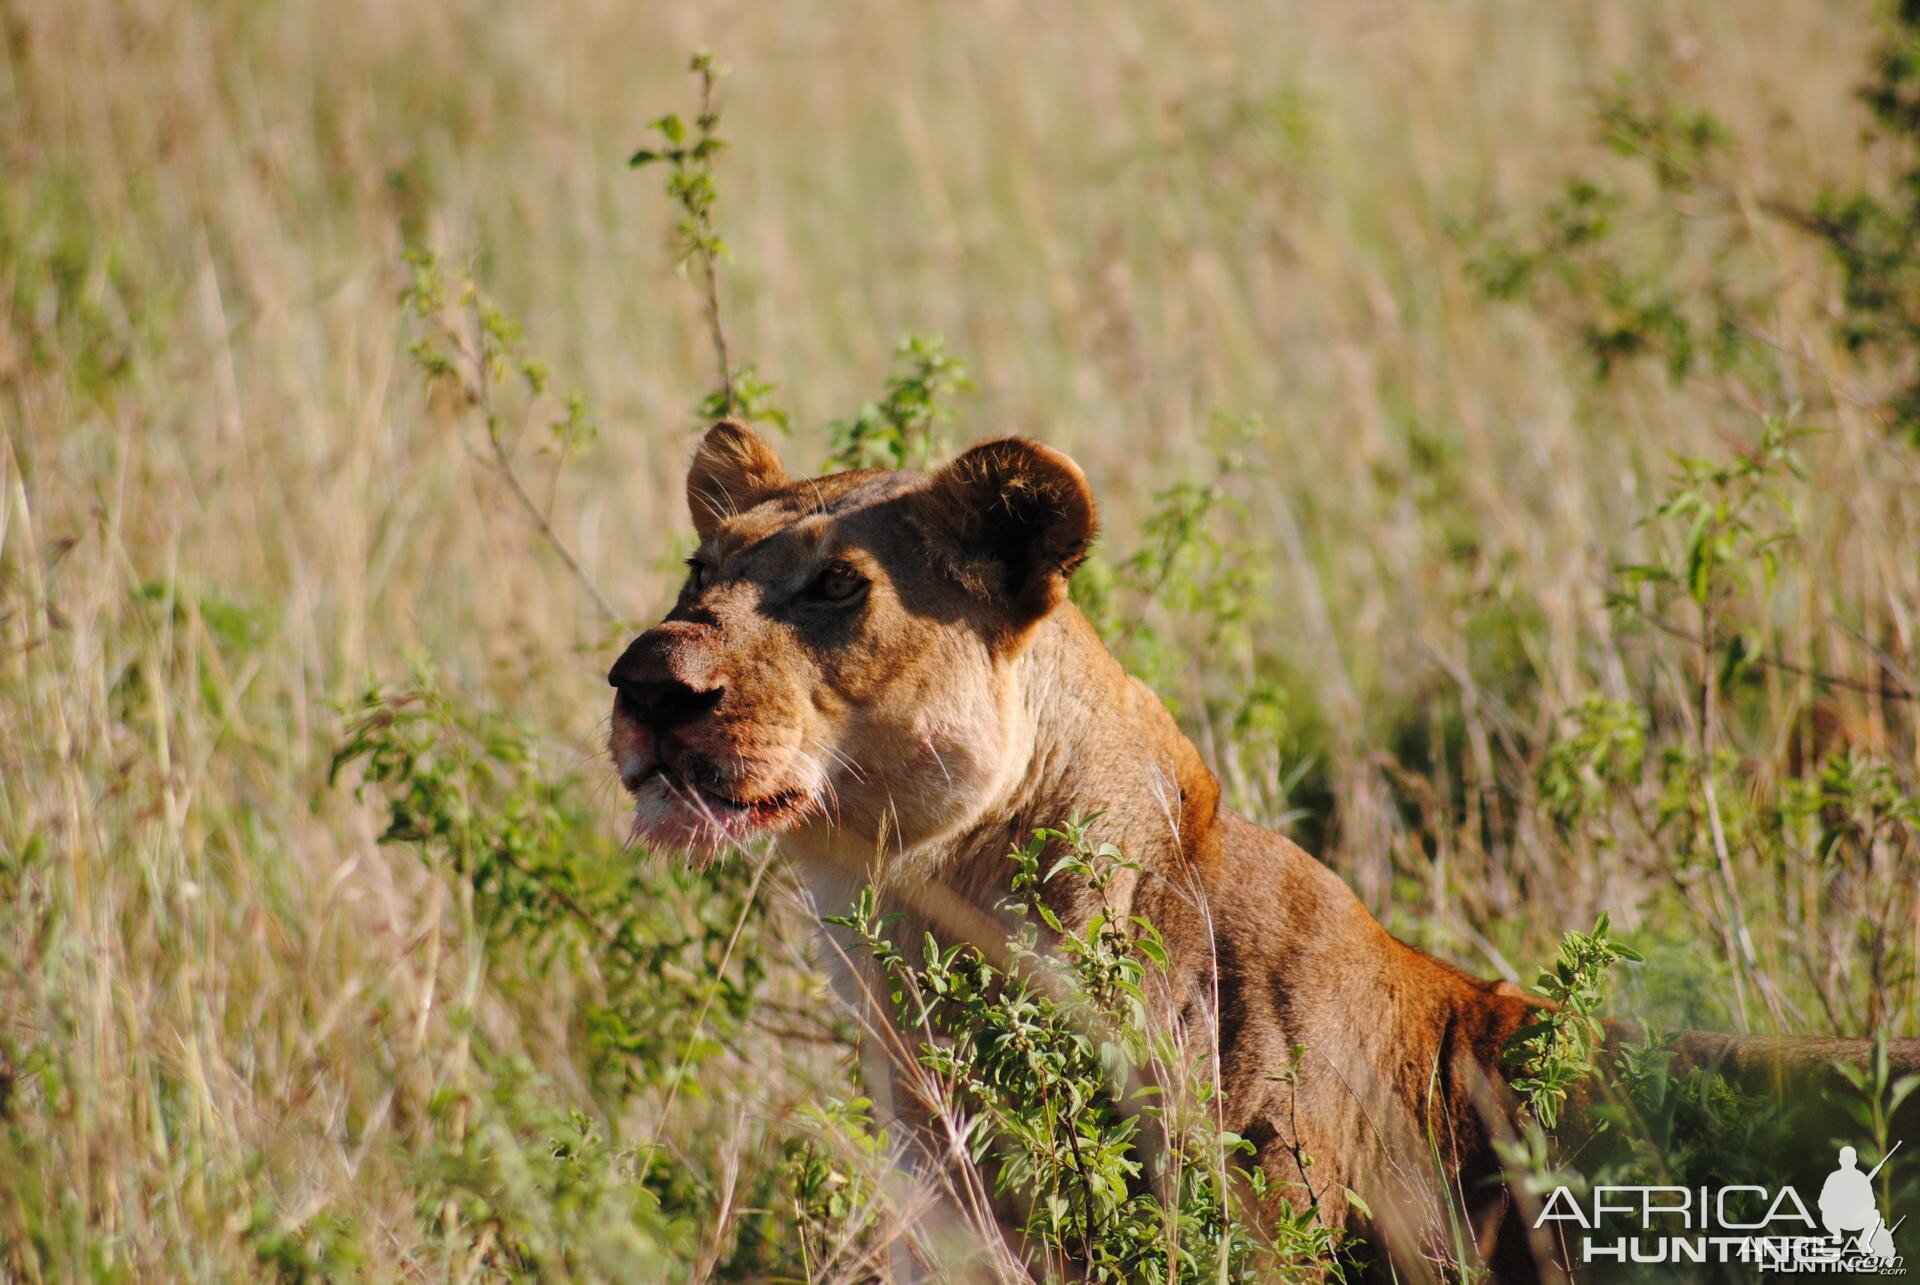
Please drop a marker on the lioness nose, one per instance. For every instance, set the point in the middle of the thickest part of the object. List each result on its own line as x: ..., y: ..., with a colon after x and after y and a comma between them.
x: 669, y: 674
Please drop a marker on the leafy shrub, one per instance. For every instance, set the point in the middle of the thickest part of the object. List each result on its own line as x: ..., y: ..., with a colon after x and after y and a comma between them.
x: 1092, y: 1118
x: 901, y: 429
x: 1555, y: 1051
x: 467, y: 789
x: 1588, y: 259
x: 668, y: 971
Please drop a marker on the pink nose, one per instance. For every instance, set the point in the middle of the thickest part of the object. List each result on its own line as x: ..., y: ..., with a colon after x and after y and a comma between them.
x: 670, y: 674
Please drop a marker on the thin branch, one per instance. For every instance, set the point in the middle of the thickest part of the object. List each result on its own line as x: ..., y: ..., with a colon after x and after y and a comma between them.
x: 540, y: 524
x: 709, y: 247
x: 480, y: 393
x: 1785, y: 666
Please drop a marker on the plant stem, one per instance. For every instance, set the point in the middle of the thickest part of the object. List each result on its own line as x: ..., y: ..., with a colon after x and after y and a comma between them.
x: 709, y: 247
x: 1743, y: 956
x: 482, y: 394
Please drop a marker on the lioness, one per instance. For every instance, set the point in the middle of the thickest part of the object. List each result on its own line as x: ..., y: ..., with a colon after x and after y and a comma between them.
x: 883, y: 668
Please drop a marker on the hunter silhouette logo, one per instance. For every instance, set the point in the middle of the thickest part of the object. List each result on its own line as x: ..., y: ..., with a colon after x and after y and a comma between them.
x: 1849, y: 1211
x: 1770, y: 1228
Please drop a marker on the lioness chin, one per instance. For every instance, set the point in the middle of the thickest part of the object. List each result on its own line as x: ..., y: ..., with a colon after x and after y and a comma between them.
x: 883, y: 669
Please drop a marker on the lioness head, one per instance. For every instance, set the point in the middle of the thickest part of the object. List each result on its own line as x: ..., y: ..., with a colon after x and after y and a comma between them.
x: 841, y: 657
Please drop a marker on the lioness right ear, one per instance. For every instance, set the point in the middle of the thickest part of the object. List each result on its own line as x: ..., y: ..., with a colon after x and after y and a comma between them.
x: 1022, y: 518
x: 733, y: 470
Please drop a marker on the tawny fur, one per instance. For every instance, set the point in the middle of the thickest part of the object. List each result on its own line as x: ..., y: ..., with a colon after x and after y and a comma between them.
x: 915, y: 736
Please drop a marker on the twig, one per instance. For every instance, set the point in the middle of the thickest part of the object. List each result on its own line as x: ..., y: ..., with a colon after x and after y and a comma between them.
x: 706, y: 1003
x: 692, y: 188
x: 480, y: 393
x: 709, y: 246
x: 1785, y: 666
x: 545, y: 528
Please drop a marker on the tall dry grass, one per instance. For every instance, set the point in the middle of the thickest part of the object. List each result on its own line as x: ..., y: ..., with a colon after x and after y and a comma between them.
x: 229, y: 505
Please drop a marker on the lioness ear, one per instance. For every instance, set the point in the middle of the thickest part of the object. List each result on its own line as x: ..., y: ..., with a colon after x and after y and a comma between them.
x: 733, y: 470
x: 1022, y: 517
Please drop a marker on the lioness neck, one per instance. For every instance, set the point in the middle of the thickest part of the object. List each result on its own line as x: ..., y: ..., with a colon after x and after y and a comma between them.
x: 1102, y: 745
x: 1095, y: 741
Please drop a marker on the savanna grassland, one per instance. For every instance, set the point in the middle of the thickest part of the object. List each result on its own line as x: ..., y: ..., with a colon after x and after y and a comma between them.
x: 1504, y: 417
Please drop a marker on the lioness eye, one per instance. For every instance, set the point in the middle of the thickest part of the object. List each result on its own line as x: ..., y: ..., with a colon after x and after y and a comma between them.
x: 839, y: 583
x: 698, y: 573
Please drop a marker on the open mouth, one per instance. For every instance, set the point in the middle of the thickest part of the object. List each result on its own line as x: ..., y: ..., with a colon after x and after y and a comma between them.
x: 710, y: 803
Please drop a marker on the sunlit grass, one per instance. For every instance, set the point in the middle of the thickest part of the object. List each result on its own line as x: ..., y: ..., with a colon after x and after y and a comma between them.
x: 233, y: 1024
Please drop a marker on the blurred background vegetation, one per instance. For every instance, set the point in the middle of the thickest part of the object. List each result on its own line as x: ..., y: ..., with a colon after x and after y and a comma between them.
x: 1504, y: 420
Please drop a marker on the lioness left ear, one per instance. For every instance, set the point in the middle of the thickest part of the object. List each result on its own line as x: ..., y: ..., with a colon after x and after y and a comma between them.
x: 1022, y: 516
x: 733, y: 469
